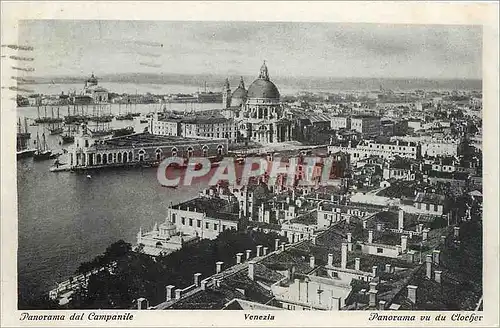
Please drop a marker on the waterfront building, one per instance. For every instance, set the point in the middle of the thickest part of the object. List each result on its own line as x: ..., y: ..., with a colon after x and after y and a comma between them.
x: 258, y: 112
x: 204, y: 126
x: 368, y: 126
x: 163, y: 239
x: 434, y: 146
x: 140, y: 148
x: 367, y: 148
x: 96, y: 92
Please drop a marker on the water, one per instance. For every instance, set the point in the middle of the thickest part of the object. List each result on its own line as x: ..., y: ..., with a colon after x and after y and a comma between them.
x: 65, y: 218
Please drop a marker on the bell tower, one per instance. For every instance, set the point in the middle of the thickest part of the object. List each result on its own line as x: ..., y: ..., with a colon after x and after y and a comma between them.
x: 226, y: 94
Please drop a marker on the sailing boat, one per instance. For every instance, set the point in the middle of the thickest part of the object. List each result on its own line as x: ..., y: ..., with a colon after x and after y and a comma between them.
x: 42, y: 152
x: 56, y: 129
x: 23, y: 137
x: 68, y: 137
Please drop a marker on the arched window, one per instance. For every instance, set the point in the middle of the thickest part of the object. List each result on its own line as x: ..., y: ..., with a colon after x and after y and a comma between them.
x: 130, y: 156
x: 98, y: 158
x: 125, y: 157
x: 205, y: 151
x: 104, y: 159
x: 110, y: 158
x: 119, y: 157
x: 158, y: 154
x: 220, y: 148
x: 141, y: 155
x: 174, y: 152
x: 189, y: 151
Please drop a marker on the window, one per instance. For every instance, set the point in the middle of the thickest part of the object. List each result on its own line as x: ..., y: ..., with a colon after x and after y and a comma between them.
x: 190, y: 222
x: 215, y: 226
x: 173, y: 218
x: 335, y: 274
x: 223, y: 227
x: 206, y: 225
x: 198, y: 223
x: 380, y: 250
x: 183, y: 220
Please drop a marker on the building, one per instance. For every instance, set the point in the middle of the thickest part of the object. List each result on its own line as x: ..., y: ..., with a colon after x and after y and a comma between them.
x: 367, y: 148
x: 429, y: 203
x: 140, y: 148
x: 205, y: 217
x: 368, y: 126
x: 165, y: 125
x: 217, y: 127
x: 163, y: 239
x: 96, y: 92
x: 258, y: 112
x: 340, y: 122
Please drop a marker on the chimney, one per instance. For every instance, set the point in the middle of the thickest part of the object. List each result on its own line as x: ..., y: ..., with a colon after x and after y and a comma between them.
x: 411, y: 257
x: 249, y: 253
x: 197, y: 279
x: 364, y: 224
x: 238, y: 257
x: 357, y: 263
x: 335, y: 303
x: 218, y: 267
x: 373, y: 286
x: 264, y: 251
x: 388, y: 268
x: 374, y: 270
x: 169, y: 290
x: 443, y: 240
x: 343, y: 259
x: 425, y: 233
x: 370, y: 236
x: 314, y: 239
x: 379, y: 226
x: 330, y: 259
x: 401, y: 220
x: 437, y: 276
x: 312, y: 262
x: 404, y: 243
x: 283, y: 246
x: 204, y: 283
x: 348, y: 219
x: 381, y: 305
x: 373, y: 298
x: 420, y: 227
x: 428, y: 266
x: 412, y: 293
x: 456, y: 232
x: 142, y: 303
x: 435, y: 256
x: 349, y: 237
x: 178, y: 294
x: 251, y: 268
x: 217, y: 283
x: 259, y: 250
x: 276, y: 244
x: 349, y: 247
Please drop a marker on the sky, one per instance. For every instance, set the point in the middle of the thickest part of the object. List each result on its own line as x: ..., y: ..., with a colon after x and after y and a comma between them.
x: 78, y: 48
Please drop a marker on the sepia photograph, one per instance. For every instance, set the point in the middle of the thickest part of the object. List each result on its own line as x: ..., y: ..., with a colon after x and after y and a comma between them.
x: 259, y: 165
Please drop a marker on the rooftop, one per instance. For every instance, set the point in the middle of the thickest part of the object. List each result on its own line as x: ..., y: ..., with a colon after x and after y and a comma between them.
x: 144, y: 139
x: 213, y: 207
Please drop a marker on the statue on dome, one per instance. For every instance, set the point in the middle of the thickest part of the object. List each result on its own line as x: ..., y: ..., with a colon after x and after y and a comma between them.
x: 263, y: 72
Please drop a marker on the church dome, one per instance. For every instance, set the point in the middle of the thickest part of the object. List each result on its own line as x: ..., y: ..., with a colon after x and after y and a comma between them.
x: 239, y: 95
x: 263, y: 87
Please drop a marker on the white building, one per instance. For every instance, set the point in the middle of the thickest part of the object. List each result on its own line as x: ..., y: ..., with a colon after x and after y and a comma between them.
x: 368, y: 148
x: 340, y: 122
x: 163, y: 240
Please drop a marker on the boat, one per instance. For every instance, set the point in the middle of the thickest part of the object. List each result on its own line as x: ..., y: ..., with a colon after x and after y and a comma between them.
x: 102, y: 118
x: 23, y: 137
x: 56, y: 128
x: 47, y: 119
x: 143, y: 120
x: 42, y: 152
x: 125, y: 117
x: 123, y: 131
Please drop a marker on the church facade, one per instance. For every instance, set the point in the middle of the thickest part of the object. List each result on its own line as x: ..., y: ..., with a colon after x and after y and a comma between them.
x: 258, y: 112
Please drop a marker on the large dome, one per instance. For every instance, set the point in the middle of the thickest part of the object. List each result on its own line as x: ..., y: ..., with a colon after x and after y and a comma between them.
x: 261, y: 88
